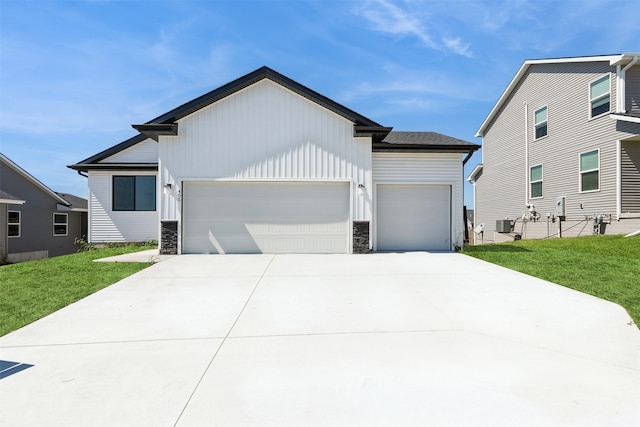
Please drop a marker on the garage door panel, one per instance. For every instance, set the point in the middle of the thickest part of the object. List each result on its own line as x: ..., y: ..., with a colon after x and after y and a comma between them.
x: 413, y: 217
x: 266, y: 217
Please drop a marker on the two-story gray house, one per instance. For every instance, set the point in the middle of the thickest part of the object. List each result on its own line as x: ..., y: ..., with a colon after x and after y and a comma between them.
x: 37, y: 221
x: 561, y: 151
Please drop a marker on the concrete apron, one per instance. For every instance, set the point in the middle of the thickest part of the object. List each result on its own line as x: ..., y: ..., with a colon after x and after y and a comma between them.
x: 436, y: 339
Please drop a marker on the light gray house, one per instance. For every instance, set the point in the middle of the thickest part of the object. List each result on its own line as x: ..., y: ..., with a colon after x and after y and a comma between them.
x: 38, y: 222
x: 266, y: 165
x: 562, y: 142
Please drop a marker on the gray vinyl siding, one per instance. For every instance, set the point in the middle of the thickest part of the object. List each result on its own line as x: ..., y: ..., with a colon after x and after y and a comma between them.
x: 502, y: 191
x: 633, y: 89
x: 36, y: 220
x: 630, y: 177
x: 3, y: 235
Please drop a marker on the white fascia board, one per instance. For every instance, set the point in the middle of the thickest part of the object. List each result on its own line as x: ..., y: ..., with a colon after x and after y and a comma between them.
x: 624, y: 118
x: 474, y: 173
x: 32, y: 179
x: 623, y: 59
x: 525, y: 66
x: 12, y: 202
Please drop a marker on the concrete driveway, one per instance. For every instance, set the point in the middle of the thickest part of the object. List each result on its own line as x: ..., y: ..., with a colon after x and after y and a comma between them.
x: 413, y: 339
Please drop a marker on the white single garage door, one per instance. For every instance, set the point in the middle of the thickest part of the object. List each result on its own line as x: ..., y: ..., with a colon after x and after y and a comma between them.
x: 265, y: 217
x: 413, y: 217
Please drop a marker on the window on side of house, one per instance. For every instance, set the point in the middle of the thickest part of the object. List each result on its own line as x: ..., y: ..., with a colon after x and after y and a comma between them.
x: 600, y: 96
x: 60, y: 224
x: 540, y: 120
x: 134, y: 193
x: 590, y: 171
x: 14, y: 223
x: 535, y: 181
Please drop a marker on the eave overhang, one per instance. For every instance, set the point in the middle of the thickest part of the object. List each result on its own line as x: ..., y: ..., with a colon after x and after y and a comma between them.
x: 85, y: 167
x: 431, y: 148
x: 154, y: 130
x: 473, y: 176
x: 377, y: 133
x: 633, y: 118
x: 11, y: 201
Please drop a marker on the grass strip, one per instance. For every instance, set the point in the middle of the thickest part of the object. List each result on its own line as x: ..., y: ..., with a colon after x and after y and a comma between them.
x: 606, y: 267
x: 31, y: 290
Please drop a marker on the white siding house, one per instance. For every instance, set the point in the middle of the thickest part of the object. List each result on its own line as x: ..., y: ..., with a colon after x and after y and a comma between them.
x: 266, y: 165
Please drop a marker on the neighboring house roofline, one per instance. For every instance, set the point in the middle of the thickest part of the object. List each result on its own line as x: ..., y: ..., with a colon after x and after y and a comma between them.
x: 617, y: 59
x: 26, y: 175
x: 10, y: 199
x: 78, y: 204
x: 473, y: 176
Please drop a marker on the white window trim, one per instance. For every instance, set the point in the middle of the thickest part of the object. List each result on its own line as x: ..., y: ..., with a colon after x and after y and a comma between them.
x: 535, y: 125
x: 580, y: 172
x: 66, y: 224
x: 19, y: 224
x: 600, y: 97
x: 533, y: 182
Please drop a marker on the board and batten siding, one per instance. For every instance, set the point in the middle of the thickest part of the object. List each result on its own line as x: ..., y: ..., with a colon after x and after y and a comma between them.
x: 425, y: 168
x: 143, y: 152
x: 503, y: 190
x: 106, y: 225
x: 265, y: 132
x: 630, y: 177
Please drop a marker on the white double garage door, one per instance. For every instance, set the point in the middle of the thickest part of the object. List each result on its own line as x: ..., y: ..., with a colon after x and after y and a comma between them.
x: 309, y: 217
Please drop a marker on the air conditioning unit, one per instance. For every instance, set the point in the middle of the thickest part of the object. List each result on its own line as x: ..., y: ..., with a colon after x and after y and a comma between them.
x: 503, y: 226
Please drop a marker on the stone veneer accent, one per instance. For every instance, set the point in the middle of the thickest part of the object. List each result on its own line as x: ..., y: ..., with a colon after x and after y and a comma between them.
x: 169, y: 238
x: 361, y: 237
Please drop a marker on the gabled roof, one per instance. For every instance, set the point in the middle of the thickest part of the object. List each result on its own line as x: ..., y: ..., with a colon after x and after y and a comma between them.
x: 165, y: 124
x: 252, y: 78
x: 33, y: 180
x: 618, y: 59
x: 93, y: 162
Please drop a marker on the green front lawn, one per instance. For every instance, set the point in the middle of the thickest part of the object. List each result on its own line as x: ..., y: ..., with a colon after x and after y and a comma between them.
x: 31, y: 290
x: 607, y: 267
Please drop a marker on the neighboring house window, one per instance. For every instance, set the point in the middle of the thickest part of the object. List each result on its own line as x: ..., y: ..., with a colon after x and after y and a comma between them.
x: 60, y: 224
x: 536, y: 181
x: 600, y: 96
x: 14, y: 224
x: 590, y: 171
x: 134, y: 193
x: 540, y: 119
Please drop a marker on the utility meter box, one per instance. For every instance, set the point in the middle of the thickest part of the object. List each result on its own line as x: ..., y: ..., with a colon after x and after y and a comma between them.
x: 503, y: 226
x: 560, y: 206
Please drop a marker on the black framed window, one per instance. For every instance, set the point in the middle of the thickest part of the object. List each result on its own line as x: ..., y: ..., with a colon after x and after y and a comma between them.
x: 60, y: 224
x: 134, y: 193
x: 14, y: 226
x: 600, y: 96
x: 540, y: 118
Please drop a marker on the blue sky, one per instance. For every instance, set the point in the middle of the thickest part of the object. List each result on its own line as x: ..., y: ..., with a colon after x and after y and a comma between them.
x: 74, y: 75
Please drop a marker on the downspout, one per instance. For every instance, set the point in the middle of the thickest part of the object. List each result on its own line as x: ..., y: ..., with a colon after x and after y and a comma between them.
x: 81, y: 174
x: 622, y: 85
x: 526, y: 153
x: 466, y: 159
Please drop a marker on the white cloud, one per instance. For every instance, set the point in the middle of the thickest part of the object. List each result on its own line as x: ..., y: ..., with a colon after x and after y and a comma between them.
x: 388, y: 17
